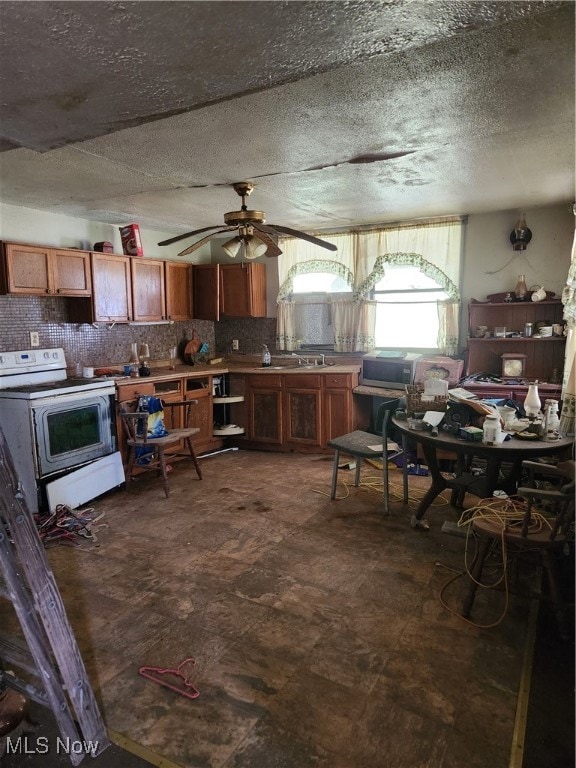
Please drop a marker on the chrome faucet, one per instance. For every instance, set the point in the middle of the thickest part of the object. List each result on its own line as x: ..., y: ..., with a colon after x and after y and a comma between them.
x: 301, y: 359
x: 322, y: 361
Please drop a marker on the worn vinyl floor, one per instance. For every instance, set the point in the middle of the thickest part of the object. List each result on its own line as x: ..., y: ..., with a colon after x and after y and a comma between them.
x: 316, y: 626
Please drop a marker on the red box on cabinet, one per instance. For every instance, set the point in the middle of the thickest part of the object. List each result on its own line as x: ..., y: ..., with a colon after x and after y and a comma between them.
x: 131, y: 241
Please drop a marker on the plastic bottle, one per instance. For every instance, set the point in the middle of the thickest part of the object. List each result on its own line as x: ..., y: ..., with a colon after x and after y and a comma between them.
x: 266, y: 357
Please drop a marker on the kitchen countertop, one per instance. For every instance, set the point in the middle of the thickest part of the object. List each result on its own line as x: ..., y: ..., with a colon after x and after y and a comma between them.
x: 202, y: 369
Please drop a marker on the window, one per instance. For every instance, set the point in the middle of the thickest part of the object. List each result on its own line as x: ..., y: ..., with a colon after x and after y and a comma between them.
x: 315, y: 282
x: 407, y: 312
x: 312, y: 292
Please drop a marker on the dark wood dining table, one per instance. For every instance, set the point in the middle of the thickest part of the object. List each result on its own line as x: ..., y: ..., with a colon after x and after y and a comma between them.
x: 510, y: 454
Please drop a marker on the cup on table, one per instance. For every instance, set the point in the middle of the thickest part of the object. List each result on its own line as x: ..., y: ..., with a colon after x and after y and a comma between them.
x: 500, y: 332
x: 173, y: 357
x: 88, y: 372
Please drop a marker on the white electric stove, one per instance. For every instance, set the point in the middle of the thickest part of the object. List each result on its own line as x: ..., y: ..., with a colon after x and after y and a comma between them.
x: 60, y: 431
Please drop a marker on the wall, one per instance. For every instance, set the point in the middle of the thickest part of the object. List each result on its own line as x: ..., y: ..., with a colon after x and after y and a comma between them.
x: 489, y: 266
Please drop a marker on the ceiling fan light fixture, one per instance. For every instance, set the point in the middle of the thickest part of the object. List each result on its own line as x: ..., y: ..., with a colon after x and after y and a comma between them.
x: 254, y: 247
x: 232, y: 246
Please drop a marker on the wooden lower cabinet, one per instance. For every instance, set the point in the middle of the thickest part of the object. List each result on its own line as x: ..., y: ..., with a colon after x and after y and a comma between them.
x: 201, y: 417
x: 303, y: 416
x: 299, y: 412
x: 265, y: 415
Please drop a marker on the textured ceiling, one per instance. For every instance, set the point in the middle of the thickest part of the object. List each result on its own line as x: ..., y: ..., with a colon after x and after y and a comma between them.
x: 342, y: 113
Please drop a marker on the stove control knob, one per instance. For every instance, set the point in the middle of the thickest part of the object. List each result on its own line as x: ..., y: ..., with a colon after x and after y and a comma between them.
x: 46, y: 355
x: 55, y: 355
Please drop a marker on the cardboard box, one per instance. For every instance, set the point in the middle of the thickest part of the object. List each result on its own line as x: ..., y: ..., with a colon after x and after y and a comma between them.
x: 438, y: 367
x: 131, y: 241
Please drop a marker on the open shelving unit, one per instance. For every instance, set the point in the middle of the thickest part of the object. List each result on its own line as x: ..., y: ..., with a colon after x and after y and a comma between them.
x: 543, y: 355
x: 221, y: 403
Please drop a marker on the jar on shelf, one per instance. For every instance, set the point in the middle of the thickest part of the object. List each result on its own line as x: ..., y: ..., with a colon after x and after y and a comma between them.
x: 521, y: 288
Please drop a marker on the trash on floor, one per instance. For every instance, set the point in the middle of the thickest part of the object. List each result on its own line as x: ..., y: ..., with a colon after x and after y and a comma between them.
x: 156, y: 675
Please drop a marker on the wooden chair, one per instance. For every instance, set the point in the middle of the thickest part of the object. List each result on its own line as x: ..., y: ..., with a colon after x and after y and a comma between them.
x: 149, y: 453
x: 358, y: 444
x: 547, y: 541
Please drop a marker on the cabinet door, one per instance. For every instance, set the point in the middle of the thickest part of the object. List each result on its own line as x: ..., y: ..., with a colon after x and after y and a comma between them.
x: 338, y: 410
x: 178, y: 291
x: 264, y: 408
x: 71, y: 273
x: 243, y: 290
x: 201, y: 417
x: 302, y: 424
x: 28, y: 270
x: 148, y: 297
x: 206, y: 291
x: 111, y: 289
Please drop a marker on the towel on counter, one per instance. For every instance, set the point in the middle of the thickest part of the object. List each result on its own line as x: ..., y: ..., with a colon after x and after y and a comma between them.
x: 156, y: 428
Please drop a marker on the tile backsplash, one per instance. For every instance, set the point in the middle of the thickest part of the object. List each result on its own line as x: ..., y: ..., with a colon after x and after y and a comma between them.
x: 104, y: 345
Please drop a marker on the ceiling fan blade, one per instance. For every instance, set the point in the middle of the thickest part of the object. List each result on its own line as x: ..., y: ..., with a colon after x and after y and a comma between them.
x: 203, y: 240
x: 273, y: 249
x: 187, y: 234
x: 302, y: 236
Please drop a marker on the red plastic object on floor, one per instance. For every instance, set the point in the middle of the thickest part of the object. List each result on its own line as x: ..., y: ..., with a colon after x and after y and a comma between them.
x: 155, y: 674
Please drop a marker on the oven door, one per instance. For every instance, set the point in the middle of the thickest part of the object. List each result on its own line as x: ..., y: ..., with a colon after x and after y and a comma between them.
x: 71, y: 430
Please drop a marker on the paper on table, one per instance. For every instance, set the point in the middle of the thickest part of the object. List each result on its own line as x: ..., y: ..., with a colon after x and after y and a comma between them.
x: 390, y: 446
x: 433, y: 418
x: 436, y: 387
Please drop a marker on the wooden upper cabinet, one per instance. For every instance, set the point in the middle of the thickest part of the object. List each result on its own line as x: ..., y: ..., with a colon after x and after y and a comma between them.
x: 243, y: 290
x: 229, y: 290
x: 35, y: 270
x: 111, y: 283
x: 206, y: 291
x: 71, y: 272
x: 148, y: 293
x: 178, y: 290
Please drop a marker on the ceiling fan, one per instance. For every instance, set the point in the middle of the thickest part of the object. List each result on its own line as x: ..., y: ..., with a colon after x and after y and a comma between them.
x: 253, y: 234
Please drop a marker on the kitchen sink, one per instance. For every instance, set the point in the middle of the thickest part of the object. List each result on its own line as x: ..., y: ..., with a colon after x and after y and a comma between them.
x: 291, y: 367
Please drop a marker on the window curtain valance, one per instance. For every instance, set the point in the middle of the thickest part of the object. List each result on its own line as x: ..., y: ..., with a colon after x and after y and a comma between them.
x: 360, y: 260
x: 435, y: 249
x: 299, y: 257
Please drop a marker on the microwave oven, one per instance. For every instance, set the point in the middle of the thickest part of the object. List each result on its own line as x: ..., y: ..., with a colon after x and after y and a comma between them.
x: 389, y: 372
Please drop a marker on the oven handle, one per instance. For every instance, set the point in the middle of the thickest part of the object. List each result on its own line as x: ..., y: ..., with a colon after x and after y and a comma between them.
x: 72, y: 397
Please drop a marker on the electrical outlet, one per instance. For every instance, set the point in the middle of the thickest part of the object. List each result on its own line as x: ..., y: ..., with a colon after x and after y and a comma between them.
x: 34, y: 339
x: 235, y: 345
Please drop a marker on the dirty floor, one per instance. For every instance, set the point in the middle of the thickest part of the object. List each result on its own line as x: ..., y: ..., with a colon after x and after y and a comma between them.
x: 318, y: 628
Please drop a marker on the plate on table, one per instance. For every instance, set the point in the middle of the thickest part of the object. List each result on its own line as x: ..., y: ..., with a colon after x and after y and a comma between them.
x: 527, y: 435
